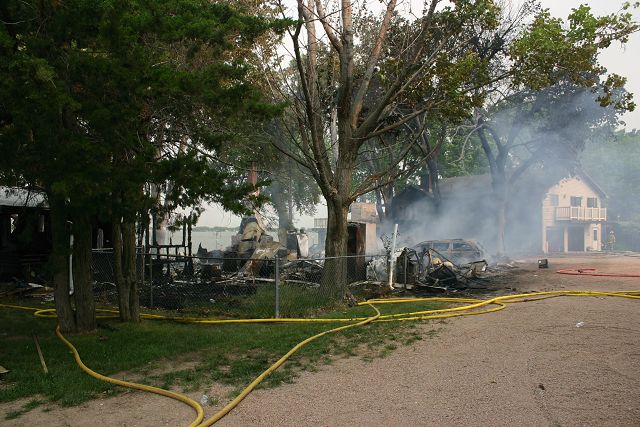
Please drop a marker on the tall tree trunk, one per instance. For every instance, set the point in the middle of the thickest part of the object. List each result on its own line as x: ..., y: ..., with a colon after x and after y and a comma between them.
x: 59, y: 264
x: 124, y: 252
x: 501, y: 192
x: 129, y: 261
x: 285, y: 222
x: 338, y: 202
x: 434, y: 183
x: 379, y: 205
x: 497, y: 167
x: 334, y: 277
x: 501, y: 225
x: 335, y: 153
x: 290, y: 208
x: 82, y: 280
x: 123, y: 296
x: 387, y: 198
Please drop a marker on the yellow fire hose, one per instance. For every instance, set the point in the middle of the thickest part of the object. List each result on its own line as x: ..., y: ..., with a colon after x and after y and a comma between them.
x: 224, y: 411
x: 471, y: 307
x: 177, y: 396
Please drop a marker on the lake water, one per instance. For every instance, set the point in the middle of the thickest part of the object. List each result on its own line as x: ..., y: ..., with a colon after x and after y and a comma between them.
x: 212, y: 240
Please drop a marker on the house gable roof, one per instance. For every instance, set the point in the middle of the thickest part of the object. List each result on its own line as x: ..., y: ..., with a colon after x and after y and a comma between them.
x: 586, y: 179
x: 591, y: 183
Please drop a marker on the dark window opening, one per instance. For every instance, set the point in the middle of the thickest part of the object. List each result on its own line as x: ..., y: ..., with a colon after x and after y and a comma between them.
x: 595, y: 234
x: 592, y: 202
x: 555, y: 199
x: 576, y: 201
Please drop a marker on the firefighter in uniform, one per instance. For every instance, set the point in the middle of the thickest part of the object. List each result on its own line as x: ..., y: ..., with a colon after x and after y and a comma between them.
x: 611, y: 240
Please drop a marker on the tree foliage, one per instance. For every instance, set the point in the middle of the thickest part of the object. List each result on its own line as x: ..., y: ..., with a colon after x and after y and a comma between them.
x: 99, y: 99
x: 613, y: 164
x: 556, y: 97
x: 360, y: 76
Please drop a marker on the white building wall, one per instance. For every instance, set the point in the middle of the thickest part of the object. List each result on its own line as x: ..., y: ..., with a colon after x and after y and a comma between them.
x: 565, y: 189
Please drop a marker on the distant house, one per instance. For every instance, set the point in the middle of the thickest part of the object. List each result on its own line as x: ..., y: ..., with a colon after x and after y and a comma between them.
x: 25, y: 233
x: 25, y: 237
x: 548, y: 212
x: 573, y: 216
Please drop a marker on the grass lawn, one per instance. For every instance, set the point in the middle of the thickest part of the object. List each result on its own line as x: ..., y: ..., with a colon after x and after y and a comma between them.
x: 259, y: 302
x: 198, y: 355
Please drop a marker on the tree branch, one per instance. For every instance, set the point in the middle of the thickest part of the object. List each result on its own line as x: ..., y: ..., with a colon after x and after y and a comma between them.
x: 358, y: 101
x: 322, y: 17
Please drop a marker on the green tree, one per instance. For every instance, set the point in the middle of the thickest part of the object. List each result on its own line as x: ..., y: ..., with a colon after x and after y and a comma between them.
x: 285, y: 185
x: 432, y: 69
x: 613, y: 164
x: 98, y: 100
x: 557, y: 95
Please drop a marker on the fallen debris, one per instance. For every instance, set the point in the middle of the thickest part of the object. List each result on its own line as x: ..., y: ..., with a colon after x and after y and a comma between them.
x: 42, y: 362
x: 429, y: 271
x: 22, y: 288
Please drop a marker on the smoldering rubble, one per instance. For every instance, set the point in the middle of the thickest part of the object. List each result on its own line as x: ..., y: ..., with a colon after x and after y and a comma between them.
x: 428, y: 270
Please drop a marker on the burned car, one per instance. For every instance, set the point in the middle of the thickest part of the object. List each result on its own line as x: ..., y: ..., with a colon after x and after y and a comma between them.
x: 458, y: 251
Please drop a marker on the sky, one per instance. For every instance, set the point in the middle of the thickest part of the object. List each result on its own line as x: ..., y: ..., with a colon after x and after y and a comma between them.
x: 617, y: 59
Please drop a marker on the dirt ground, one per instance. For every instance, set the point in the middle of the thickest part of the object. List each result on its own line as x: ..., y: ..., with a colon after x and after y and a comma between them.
x: 526, y: 365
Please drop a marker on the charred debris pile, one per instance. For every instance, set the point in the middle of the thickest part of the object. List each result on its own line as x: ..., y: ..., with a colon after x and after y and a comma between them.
x: 431, y: 271
x: 255, y: 261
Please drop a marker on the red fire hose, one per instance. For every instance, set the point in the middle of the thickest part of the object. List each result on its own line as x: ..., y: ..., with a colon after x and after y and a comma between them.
x: 592, y: 272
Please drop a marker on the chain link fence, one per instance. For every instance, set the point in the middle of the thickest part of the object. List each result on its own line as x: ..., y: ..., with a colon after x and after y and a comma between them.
x: 239, y: 287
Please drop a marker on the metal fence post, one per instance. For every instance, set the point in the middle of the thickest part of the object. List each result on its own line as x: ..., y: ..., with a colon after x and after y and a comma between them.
x: 405, y: 269
x: 151, y: 281
x: 142, y: 274
x: 277, y: 259
x: 392, y: 259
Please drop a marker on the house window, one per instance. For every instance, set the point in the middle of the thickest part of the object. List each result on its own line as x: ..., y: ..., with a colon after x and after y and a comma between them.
x: 555, y: 199
x: 592, y: 202
x: 595, y: 234
x: 576, y: 201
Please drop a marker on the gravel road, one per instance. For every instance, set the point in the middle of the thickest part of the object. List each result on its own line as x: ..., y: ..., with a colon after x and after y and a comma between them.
x: 526, y: 365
